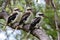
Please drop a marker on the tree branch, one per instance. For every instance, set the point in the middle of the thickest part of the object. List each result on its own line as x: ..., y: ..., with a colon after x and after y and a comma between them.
x: 39, y: 33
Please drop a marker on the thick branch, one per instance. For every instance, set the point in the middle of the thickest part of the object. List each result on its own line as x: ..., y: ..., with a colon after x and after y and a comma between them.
x: 39, y: 33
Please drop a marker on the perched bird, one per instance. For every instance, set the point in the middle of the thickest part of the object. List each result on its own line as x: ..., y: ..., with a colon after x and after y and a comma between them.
x: 27, y: 17
x: 31, y: 16
x: 36, y: 22
x: 15, y: 16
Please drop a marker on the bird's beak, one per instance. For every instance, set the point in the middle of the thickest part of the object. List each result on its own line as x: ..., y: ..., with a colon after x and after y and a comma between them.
x: 45, y: 16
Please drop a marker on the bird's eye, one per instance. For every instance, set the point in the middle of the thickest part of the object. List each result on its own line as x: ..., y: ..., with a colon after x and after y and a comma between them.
x: 15, y: 13
x: 41, y: 14
x: 16, y: 10
x: 29, y: 9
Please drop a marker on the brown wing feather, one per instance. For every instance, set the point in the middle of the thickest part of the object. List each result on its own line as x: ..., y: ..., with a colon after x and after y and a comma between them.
x: 24, y: 17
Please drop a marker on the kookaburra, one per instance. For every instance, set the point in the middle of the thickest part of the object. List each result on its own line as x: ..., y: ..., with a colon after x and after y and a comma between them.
x: 15, y: 16
x: 27, y: 17
x: 36, y: 22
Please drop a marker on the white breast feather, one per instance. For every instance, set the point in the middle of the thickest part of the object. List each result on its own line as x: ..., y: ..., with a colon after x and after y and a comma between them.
x: 40, y: 23
x: 29, y: 18
x: 18, y: 17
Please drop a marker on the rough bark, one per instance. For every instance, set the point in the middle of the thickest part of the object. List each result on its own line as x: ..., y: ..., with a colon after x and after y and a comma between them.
x: 39, y: 33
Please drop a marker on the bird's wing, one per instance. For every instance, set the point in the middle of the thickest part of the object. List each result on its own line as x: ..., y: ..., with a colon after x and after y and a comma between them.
x: 11, y: 17
x: 35, y: 21
x: 24, y: 18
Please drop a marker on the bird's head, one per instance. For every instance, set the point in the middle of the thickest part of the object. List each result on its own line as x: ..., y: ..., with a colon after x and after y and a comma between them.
x: 29, y: 9
x: 39, y: 14
x: 16, y: 10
